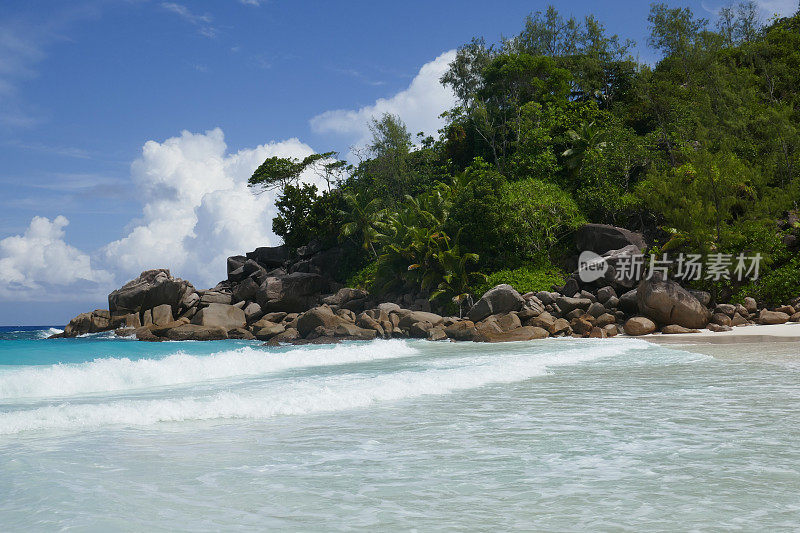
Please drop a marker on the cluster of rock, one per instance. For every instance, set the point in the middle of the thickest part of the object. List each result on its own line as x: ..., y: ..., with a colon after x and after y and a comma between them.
x: 270, y: 297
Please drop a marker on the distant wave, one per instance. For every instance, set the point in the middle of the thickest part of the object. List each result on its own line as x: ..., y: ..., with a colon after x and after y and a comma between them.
x: 121, y: 374
x: 321, y: 393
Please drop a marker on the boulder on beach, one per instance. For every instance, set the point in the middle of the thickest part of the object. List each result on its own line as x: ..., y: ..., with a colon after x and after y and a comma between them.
x: 666, y: 302
x: 150, y: 289
x: 220, y: 315
x: 501, y: 299
x: 769, y: 318
x: 639, y: 325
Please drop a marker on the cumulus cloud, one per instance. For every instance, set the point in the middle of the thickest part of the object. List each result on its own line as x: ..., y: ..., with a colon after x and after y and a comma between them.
x: 39, y: 265
x: 419, y: 106
x: 198, y: 209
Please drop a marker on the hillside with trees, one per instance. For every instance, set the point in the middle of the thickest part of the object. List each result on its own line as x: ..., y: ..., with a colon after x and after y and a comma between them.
x: 559, y: 126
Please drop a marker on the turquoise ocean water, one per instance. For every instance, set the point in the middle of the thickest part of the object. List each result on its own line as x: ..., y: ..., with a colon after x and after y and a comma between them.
x: 106, y: 434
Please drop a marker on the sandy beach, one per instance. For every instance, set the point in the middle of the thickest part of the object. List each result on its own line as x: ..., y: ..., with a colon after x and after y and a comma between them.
x: 783, y: 333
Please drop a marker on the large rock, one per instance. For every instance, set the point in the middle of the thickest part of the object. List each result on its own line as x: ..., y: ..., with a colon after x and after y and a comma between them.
x: 601, y: 238
x: 500, y: 299
x: 409, y: 318
x: 639, y: 325
x: 194, y: 332
x: 245, y: 291
x: 525, y: 333
x: 162, y: 314
x: 319, y: 316
x: 772, y: 317
x: 295, y: 292
x: 270, y: 256
x: 221, y: 315
x: 666, y: 302
x: 216, y: 297
x: 150, y: 289
x: 567, y: 304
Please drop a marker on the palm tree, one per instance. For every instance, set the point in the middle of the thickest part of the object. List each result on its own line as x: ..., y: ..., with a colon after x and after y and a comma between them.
x: 590, y: 137
x: 365, y: 217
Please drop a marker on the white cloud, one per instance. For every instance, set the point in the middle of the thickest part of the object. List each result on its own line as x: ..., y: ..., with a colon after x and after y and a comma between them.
x: 783, y: 8
x: 201, y: 22
x: 419, y: 106
x: 39, y: 265
x: 769, y: 8
x: 198, y: 209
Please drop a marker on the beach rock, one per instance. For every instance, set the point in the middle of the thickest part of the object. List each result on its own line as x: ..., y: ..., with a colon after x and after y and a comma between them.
x: 150, y: 289
x: 560, y: 327
x: 264, y: 330
x: 596, y: 309
x: 437, y: 334
x: 146, y: 335
x: 674, y: 329
x: 638, y: 326
x: 601, y: 238
x: 629, y: 302
x: 215, y: 297
x: 721, y: 319
x: 525, y: 333
x: 581, y: 325
x: 220, y: 315
x: 319, y: 316
x: 788, y: 309
x: 246, y: 290
x: 717, y: 328
x: 196, y: 332
x: 354, y: 332
x: 544, y: 321
x: 605, y: 293
x: 419, y: 330
x: 750, y: 304
x: 738, y: 320
x: 132, y: 320
x: 508, y: 321
x: 702, y: 296
x: 772, y: 317
x: 667, y: 302
x: 461, y: 331
x: 408, y: 318
x: 605, y: 319
x: 725, y: 309
x: 567, y: 304
x: 570, y: 287
x: 598, y: 333
x: 252, y: 312
x: 611, y: 330
x: 795, y: 317
x: 295, y: 292
x: 241, y: 334
x: 500, y: 299
x: 345, y: 295
x: 289, y: 335
x: 162, y: 314
x: 270, y: 256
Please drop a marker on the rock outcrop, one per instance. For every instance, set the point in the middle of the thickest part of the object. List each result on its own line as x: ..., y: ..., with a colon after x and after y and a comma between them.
x: 666, y: 302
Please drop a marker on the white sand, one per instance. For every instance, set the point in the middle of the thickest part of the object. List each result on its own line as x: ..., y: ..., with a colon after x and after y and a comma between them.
x: 789, y: 332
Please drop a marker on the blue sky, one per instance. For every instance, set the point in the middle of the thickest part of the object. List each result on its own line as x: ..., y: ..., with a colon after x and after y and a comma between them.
x: 98, y: 178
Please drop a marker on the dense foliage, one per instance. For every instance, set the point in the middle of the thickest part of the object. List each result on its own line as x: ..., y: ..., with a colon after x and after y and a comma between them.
x: 558, y: 126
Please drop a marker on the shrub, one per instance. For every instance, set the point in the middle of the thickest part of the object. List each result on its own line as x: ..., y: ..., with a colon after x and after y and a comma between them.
x: 524, y: 279
x: 775, y: 287
x: 364, y: 277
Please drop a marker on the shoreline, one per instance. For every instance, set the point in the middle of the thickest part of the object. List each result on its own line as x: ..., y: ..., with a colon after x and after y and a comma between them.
x: 786, y: 333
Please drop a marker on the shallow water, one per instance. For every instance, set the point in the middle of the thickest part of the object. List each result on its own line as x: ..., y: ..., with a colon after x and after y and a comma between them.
x: 100, y: 433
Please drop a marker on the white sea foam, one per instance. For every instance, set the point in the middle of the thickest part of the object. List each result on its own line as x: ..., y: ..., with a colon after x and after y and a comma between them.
x: 122, y: 374
x: 299, y: 396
